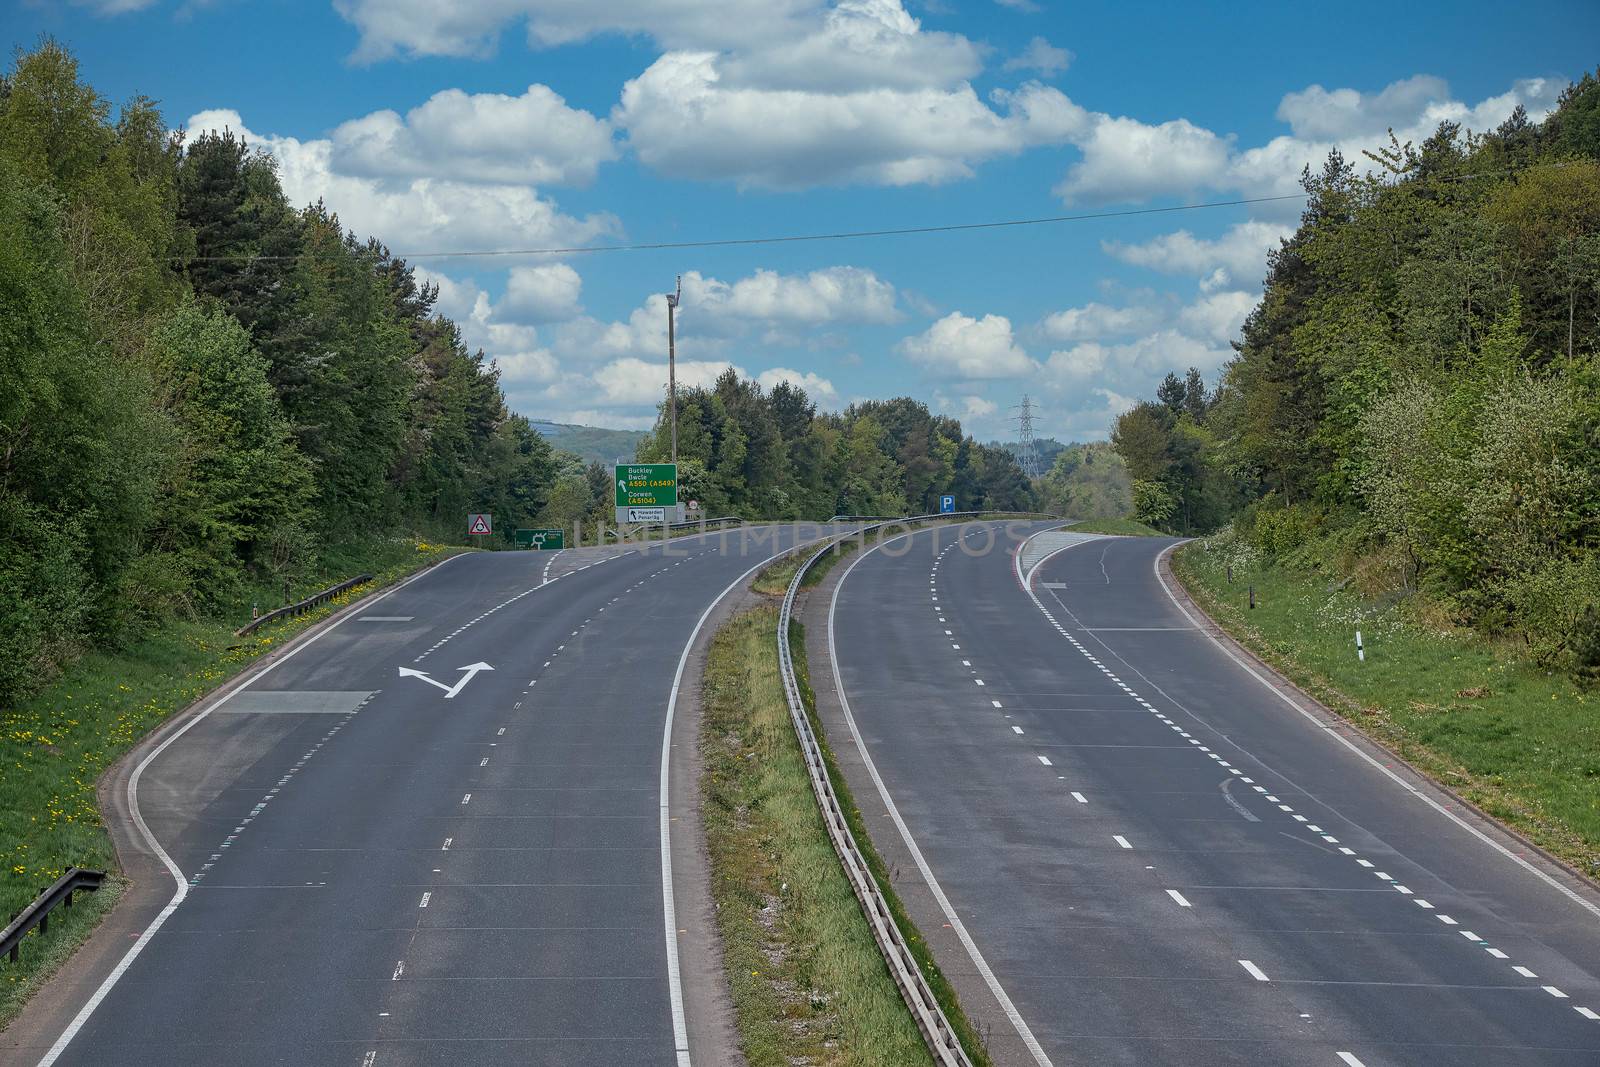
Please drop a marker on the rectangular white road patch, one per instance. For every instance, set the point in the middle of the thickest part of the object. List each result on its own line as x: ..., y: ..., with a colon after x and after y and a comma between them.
x: 294, y: 702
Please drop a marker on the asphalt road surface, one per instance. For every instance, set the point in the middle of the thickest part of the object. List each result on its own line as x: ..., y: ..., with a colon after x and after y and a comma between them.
x: 1157, y: 860
x: 464, y: 868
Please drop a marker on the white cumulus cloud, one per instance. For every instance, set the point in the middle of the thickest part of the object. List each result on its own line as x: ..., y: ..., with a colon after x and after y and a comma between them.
x: 818, y: 388
x: 1241, y: 252
x: 1096, y: 321
x: 532, y: 139
x: 1125, y: 159
x: 545, y: 293
x: 421, y: 214
x: 959, y: 346
x: 685, y: 121
x: 1040, y: 56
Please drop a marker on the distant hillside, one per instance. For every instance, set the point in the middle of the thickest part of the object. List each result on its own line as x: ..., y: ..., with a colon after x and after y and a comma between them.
x: 593, y: 443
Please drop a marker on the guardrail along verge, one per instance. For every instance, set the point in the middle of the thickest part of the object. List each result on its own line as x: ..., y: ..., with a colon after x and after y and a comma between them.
x: 908, y: 976
x: 38, y: 913
x: 302, y: 606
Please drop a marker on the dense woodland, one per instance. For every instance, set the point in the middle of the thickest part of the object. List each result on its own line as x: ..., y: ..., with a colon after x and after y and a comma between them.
x: 204, y: 386
x: 1415, y: 403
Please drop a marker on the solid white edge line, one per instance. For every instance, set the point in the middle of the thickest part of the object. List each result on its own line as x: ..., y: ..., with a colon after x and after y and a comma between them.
x: 680, y: 1028
x: 1027, y: 581
x: 132, y: 954
x: 1526, y: 865
x: 956, y: 924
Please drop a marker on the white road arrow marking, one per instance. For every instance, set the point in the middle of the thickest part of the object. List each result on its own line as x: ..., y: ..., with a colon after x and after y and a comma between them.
x: 449, y: 690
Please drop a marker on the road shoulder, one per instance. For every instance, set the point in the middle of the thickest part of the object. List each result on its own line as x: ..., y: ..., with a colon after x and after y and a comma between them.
x: 707, y: 1004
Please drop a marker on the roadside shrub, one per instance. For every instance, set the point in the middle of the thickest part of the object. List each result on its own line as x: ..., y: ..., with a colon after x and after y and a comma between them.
x: 44, y: 593
x: 1556, y: 608
x: 1279, y: 529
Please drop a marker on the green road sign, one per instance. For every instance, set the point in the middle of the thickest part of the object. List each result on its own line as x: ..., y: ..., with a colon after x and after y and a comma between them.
x: 647, y: 485
x: 541, y: 540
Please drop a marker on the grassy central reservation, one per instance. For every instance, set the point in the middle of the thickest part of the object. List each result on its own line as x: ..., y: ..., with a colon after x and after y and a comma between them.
x: 807, y: 981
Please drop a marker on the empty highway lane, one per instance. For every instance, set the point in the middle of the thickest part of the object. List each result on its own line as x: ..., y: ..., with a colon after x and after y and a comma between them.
x: 437, y: 834
x: 1154, y: 858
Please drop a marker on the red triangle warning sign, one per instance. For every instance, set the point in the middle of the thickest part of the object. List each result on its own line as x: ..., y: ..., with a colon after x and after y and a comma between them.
x: 479, y: 525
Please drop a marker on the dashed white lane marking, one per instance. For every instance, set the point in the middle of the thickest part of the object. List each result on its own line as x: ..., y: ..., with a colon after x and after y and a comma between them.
x: 1554, y: 992
x: 1026, y: 579
x: 996, y: 703
x: 425, y: 898
x: 1016, y: 729
x: 1255, y: 972
x: 1024, y: 1033
x: 1350, y: 1060
x: 978, y: 680
x: 1587, y: 1014
x: 1119, y: 839
x: 446, y: 846
x: 1179, y: 898
x: 1080, y: 798
x: 1376, y: 764
x: 466, y: 798
x: 1045, y: 760
x: 399, y: 969
x: 370, y: 1058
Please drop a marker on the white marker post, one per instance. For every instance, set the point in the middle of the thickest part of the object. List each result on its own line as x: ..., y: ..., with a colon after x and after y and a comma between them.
x: 1361, y: 653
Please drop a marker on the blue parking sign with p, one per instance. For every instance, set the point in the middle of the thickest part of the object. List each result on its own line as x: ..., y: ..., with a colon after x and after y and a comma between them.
x: 947, y: 505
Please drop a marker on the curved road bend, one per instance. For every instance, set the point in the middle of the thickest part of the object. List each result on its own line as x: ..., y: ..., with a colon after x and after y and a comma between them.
x: 1161, y: 861
x: 380, y: 874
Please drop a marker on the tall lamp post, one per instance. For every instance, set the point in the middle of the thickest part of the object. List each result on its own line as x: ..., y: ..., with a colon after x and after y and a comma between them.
x: 672, y: 364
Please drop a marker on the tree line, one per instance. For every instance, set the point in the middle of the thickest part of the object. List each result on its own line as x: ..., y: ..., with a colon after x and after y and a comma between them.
x: 748, y: 451
x: 1415, y: 401
x: 202, y: 383
x: 204, y: 388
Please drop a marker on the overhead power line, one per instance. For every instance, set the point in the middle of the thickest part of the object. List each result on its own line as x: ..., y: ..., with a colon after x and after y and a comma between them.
x: 851, y: 235
x: 841, y: 235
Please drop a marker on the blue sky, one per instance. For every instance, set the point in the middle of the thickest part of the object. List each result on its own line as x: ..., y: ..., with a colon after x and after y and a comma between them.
x: 444, y: 126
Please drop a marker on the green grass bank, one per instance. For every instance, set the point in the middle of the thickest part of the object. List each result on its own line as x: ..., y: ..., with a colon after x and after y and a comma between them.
x: 1123, y: 527
x: 1521, y: 743
x: 807, y: 981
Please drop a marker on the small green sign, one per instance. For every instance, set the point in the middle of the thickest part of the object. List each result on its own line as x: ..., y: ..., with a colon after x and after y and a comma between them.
x: 542, y: 540
x: 647, y: 485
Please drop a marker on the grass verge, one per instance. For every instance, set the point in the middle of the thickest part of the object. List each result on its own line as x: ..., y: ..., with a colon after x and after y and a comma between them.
x: 943, y: 991
x: 55, y: 744
x: 807, y: 982
x: 1125, y: 527
x: 1520, y: 743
